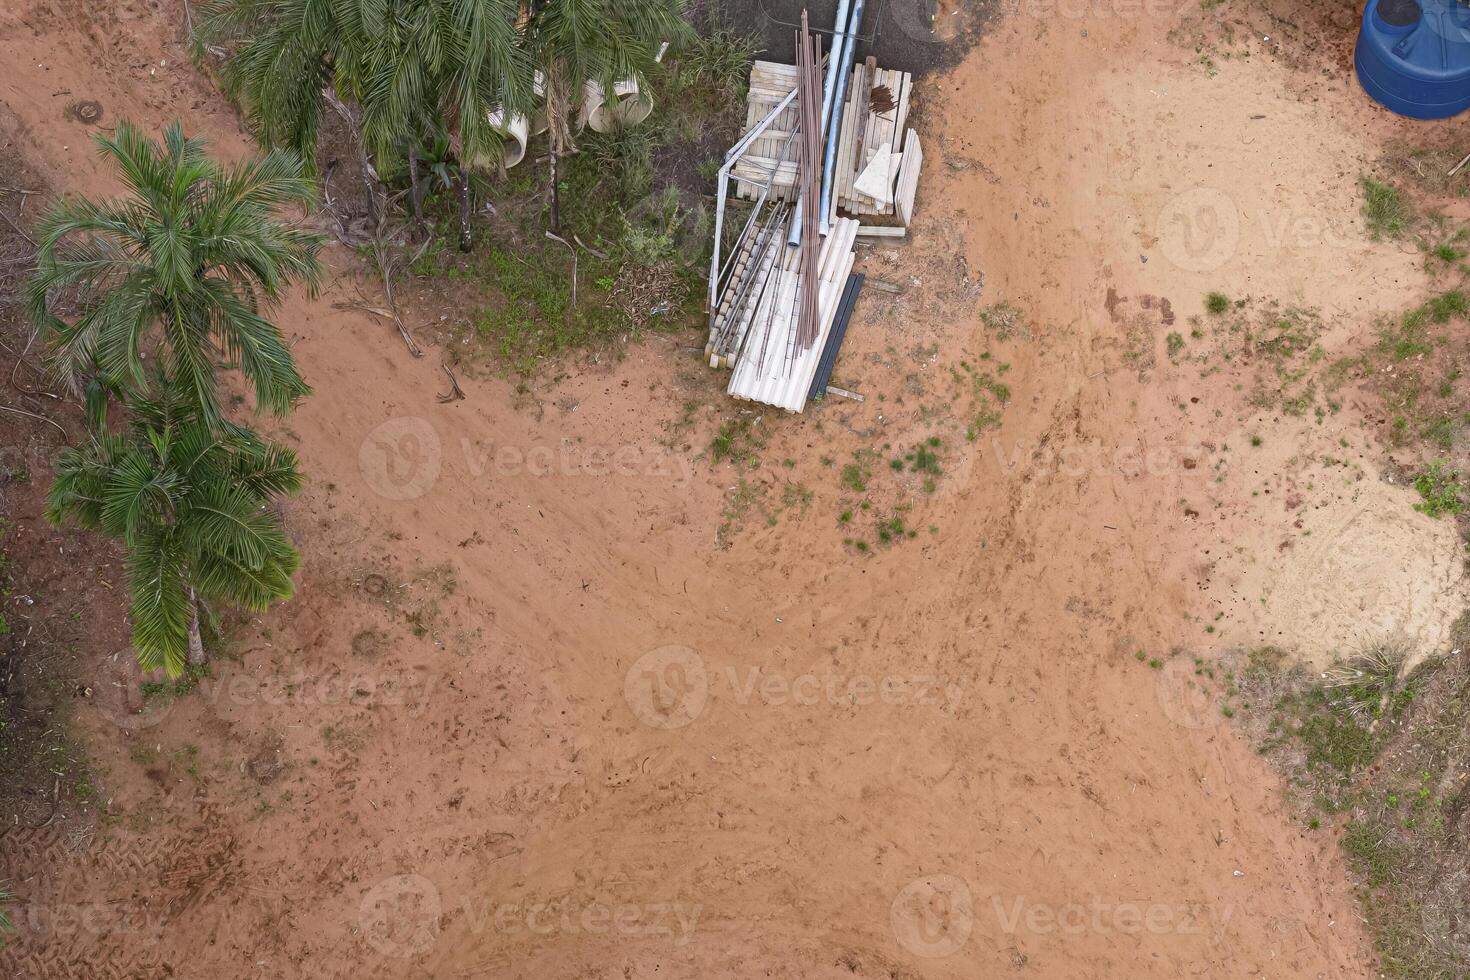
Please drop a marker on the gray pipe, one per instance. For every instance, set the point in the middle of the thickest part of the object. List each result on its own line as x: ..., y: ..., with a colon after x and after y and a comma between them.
x: 829, y: 85
x: 829, y: 91
x: 844, y: 73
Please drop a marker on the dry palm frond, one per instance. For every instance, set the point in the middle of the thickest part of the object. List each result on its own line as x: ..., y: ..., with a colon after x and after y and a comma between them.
x: 1365, y: 682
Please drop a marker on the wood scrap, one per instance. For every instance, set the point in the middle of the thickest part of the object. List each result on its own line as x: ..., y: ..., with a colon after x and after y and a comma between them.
x: 455, y: 393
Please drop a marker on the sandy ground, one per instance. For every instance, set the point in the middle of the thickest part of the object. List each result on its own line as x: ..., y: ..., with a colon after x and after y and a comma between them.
x: 526, y: 719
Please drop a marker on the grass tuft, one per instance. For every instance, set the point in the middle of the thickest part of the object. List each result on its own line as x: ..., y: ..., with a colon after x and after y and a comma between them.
x: 1384, y: 209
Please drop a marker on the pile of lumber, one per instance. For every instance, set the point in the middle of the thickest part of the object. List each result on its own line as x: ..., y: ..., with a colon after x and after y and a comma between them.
x: 875, y: 142
x: 873, y: 121
x: 826, y: 157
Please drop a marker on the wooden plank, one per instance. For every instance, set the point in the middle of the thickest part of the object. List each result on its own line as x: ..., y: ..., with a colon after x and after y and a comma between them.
x: 908, y: 178
x: 860, y: 125
x: 844, y: 393
x: 842, y: 172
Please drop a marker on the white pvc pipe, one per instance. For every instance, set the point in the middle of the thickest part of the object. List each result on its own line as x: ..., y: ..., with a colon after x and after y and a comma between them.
x: 829, y: 158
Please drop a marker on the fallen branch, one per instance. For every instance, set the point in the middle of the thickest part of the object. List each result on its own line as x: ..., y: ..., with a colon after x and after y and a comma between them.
x: 456, y: 393
x: 557, y: 238
x: 600, y: 255
x: 384, y: 265
x: 384, y: 259
x: 376, y: 311
x: 20, y: 411
x: 18, y: 229
x: 1456, y: 169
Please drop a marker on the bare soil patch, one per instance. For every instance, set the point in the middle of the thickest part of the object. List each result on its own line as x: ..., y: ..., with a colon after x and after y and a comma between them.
x: 527, y: 717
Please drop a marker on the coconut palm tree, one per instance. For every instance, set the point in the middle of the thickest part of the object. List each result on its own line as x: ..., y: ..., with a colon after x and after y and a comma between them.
x: 573, y: 42
x: 401, y: 71
x: 192, y: 259
x: 190, y: 502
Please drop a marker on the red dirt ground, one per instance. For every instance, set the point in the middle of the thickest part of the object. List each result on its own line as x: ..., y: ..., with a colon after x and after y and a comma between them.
x: 526, y: 719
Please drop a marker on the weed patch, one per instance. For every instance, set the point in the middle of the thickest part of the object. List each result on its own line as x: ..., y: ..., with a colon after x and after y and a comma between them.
x: 1384, y: 209
x: 1386, y: 750
x: 1440, y: 488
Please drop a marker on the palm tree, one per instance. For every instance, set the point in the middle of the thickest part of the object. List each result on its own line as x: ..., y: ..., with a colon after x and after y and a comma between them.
x: 194, y: 258
x: 190, y: 503
x: 573, y: 42
x: 410, y: 69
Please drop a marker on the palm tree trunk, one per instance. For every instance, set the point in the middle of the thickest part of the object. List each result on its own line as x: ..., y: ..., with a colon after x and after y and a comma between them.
x: 465, y: 238
x: 415, y: 192
x: 369, y: 173
x: 558, y: 132
x: 197, y: 656
x: 555, y: 194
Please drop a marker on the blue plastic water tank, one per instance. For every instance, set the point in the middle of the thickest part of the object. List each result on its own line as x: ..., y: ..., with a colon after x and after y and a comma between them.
x: 1414, y: 56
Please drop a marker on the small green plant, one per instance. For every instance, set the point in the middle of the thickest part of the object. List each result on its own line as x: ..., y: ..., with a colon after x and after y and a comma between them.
x: 855, y: 475
x: 924, y: 460
x: 737, y: 441
x: 1384, y: 210
x: 891, y: 530
x: 1256, y: 440
x: 1440, y: 487
x: 1003, y: 320
x: 1174, y: 344
x: 1217, y: 303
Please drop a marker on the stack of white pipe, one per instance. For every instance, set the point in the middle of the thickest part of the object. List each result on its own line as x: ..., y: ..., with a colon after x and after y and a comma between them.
x: 768, y: 369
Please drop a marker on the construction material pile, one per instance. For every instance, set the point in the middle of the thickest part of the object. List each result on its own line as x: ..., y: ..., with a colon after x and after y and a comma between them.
x: 825, y: 158
x: 877, y: 168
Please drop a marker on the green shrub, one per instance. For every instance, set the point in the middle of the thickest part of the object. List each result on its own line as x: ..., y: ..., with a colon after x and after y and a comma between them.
x: 1441, y: 489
